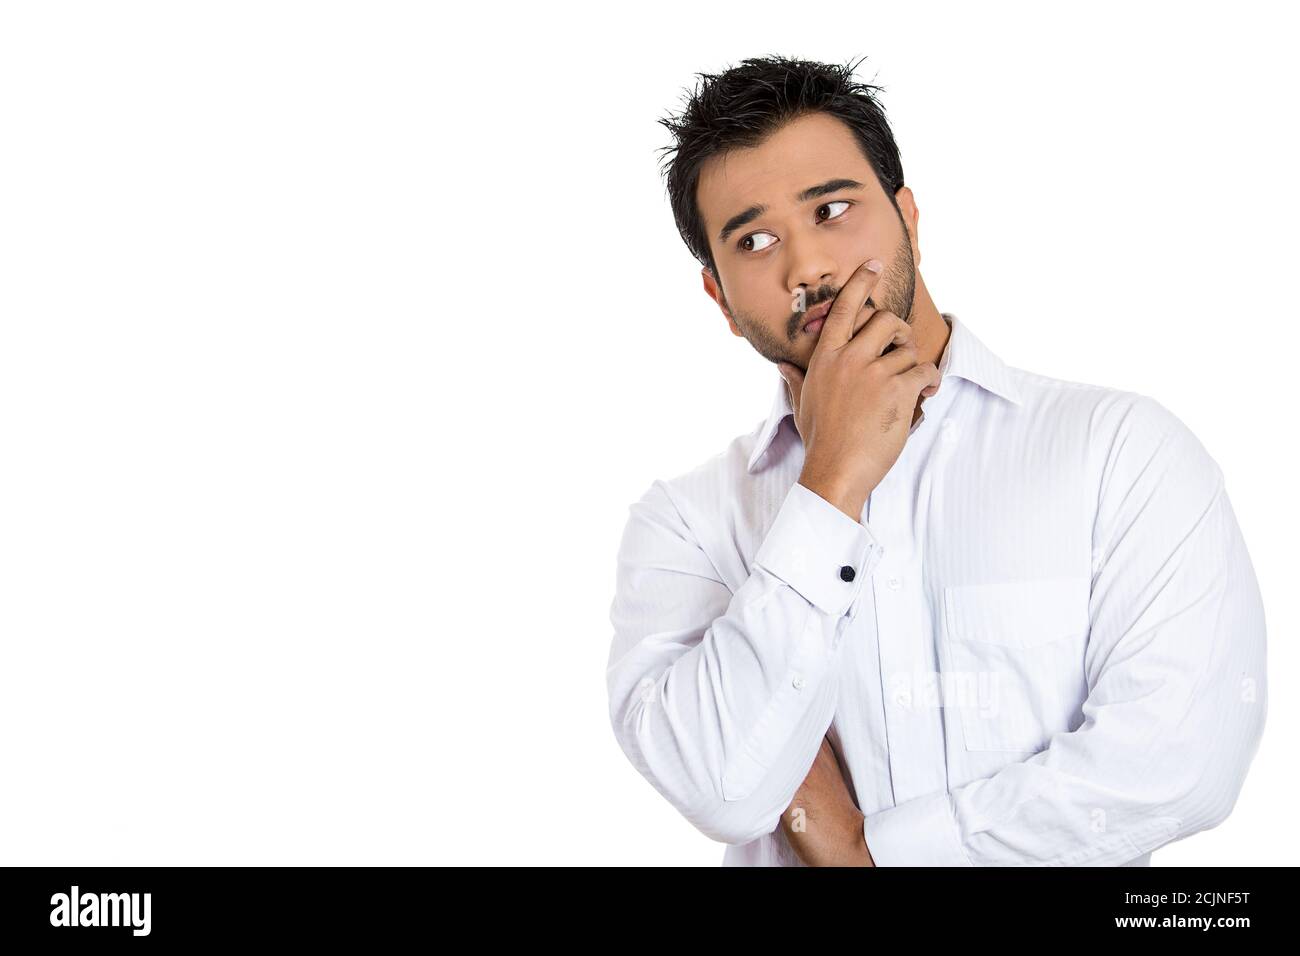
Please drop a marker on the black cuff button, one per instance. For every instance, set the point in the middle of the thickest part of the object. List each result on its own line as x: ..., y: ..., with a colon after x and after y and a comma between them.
x: 847, y: 573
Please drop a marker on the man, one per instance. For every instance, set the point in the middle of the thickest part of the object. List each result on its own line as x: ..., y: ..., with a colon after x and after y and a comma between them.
x: 934, y: 610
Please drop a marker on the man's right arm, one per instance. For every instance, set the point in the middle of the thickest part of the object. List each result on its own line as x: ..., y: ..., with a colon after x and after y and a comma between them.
x: 721, y: 698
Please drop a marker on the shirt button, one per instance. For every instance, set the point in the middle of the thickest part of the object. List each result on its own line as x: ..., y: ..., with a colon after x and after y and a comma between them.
x: 797, y: 682
x: 847, y: 573
x: 895, y: 584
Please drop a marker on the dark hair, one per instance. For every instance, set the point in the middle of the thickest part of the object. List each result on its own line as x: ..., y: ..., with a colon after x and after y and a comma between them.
x: 747, y: 103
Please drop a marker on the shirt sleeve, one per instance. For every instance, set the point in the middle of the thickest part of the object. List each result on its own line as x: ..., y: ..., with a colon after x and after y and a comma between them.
x: 721, y: 697
x: 1174, y: 664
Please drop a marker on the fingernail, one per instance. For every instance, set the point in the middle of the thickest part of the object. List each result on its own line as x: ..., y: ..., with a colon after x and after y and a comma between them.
x: 874, y: 265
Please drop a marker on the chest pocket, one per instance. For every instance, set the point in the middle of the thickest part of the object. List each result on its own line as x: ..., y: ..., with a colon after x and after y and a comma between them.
x: 1014, y: 654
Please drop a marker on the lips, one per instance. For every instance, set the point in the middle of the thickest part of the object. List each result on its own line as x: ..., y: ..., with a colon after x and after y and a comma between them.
x: 816, y: 315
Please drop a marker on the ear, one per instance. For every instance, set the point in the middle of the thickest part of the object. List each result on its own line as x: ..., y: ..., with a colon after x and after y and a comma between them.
x: 715, y: 293
x: 912, y: 215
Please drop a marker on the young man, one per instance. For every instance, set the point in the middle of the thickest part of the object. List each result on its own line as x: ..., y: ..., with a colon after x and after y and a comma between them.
x: 934, y: 610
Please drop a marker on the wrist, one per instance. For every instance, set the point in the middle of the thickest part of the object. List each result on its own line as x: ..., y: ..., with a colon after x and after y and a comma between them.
x: 843, y: 496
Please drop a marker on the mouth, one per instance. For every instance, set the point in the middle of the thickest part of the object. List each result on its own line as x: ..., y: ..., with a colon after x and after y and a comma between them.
x: 816, y: 317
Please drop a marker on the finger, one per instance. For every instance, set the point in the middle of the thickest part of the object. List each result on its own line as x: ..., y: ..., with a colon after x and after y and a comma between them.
x: 840, y: 321
x: 903, y: 335
x: 923, y: 376
x: 881, y: 331
x: 903, y: 358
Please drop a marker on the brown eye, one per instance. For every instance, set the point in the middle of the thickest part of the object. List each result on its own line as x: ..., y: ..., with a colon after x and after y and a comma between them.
x: 828, y: 205
x: 747, y: 244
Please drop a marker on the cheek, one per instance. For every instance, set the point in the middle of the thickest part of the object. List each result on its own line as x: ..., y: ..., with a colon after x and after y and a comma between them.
x: 865, y: 237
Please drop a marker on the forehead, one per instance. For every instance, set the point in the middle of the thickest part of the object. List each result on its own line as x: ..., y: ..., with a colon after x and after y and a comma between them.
x: 806, y: 151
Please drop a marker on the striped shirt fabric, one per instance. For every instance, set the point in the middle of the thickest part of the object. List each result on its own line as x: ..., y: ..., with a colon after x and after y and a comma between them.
x: 1043, y: 642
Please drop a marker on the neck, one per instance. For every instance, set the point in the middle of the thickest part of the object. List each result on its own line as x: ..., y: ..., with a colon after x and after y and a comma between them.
x: 928, y: 325
x: 931, y: 331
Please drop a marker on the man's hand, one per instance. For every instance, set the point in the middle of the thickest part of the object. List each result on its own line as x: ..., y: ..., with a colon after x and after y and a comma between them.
x: 822, y: 823
x: 856, y: 404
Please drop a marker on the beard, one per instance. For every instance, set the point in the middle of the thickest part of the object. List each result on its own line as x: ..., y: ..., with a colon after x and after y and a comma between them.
x: 895, y: 291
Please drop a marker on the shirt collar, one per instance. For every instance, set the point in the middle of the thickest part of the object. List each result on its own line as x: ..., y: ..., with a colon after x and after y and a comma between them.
x: 965, y: 356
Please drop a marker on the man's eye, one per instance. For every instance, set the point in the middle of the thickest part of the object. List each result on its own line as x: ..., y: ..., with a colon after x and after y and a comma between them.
x: 746, y: 245
x: 751, y: 238
x: 838, y: 202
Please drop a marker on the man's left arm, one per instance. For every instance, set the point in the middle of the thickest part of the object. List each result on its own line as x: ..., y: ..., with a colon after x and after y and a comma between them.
x: 1175, y: 669
x: 822, y: 823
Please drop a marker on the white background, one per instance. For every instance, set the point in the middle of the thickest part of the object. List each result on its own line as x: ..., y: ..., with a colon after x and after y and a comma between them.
x: 337, y: 339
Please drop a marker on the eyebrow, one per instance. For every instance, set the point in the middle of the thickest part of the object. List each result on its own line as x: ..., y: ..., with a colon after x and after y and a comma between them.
x: 812, y: 192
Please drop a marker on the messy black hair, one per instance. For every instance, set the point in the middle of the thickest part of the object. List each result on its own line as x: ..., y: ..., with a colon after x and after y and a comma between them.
x: 744, y: 105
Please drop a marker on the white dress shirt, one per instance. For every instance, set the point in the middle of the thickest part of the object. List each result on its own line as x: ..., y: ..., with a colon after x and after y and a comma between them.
x: 1042, y: 643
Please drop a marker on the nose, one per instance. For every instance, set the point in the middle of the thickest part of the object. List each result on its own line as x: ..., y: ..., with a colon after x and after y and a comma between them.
x: 810, y: 268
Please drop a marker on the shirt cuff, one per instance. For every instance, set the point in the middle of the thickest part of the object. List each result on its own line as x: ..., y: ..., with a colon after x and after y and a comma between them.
x: 819, y: 551
x: 920, y: 832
